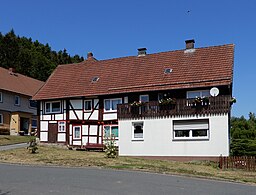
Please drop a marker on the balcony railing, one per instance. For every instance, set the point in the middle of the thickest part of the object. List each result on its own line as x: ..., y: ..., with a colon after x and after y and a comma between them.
x: 181, y: 107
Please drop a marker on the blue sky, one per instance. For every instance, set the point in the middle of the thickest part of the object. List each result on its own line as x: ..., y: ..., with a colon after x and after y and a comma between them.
x: 117, y: 28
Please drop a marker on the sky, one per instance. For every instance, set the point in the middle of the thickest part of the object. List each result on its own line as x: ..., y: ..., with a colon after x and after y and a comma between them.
x: 116, y: 28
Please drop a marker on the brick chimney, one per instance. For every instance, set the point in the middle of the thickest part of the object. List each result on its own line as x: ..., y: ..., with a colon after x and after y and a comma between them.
x: 89, y: 55
x: 190, y: 44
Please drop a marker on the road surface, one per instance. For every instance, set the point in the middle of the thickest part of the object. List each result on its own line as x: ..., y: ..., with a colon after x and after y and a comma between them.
x: 21, y: 180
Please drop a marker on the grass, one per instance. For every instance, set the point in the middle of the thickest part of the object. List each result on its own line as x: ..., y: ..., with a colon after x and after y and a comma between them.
x: 49, y: 155
x: 13, y: 139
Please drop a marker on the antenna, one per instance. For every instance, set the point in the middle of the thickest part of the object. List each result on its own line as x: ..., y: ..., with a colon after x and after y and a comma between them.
x: 214, y: 91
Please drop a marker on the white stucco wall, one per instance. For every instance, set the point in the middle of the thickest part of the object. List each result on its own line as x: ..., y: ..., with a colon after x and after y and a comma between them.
x: 158, y: 139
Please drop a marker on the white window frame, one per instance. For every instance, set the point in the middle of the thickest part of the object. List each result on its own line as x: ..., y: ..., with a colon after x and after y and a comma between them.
x: 145, y: 95
x: 190, y: 137
x: 110, y: 131
x: 51, y: 107
x: 112, y: 99
x: 1, y: 97
x: 200, y: 92
x: 61, y: 126
x: 91, y: 105
x: 139, y: 123
x: 74, y: 135
x: 18, y: 100
x: 1, y: 119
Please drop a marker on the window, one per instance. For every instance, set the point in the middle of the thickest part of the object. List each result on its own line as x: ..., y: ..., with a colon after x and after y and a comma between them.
x: 88, y: 105
x: 34, y: 123
x: 111, y: 131
x: 191, y: 129
x: 32, y: 103
x: 195, y: 94
x: 1, y: 119
x: 1, y: 97
x: 17, y: 100
x: 144, y: 98
x: 111, y: 104
x: 77, y: 132
x: 52, y: 107
x: 61, y: 126
x: 137, y: 131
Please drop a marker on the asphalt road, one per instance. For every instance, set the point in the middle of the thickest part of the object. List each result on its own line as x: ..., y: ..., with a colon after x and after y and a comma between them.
x: 21, y: 180
x: 13, y: 146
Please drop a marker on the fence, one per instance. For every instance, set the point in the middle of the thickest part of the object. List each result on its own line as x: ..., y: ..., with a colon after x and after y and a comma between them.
x: 238, y: 162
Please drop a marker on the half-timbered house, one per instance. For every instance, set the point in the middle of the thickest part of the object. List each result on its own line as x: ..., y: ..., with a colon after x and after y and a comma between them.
x: 174, y: 103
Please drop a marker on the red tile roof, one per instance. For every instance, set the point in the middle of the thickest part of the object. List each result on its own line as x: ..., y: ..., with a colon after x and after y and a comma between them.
x: 209, y: 66
x: 18, y: 83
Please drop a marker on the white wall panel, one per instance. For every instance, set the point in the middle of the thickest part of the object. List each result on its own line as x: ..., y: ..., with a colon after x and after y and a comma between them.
x: 95, y: 103
x: 92, y: 140
x: 93, y: 129
x: 61, y: 137
x: 47, y: 117
x: 85, y: 130
x: 44, y: 125
x: 78, y: 143
x: 70, y: 140
x: 44, y: 136
x: 53, y: 122
x: 84, y: 140
x: 59, y: 117
x: 110, y: 116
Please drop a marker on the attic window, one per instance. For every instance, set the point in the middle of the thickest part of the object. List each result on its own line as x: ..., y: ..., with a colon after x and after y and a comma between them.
x: 167, y: 70
x: 95, y: 79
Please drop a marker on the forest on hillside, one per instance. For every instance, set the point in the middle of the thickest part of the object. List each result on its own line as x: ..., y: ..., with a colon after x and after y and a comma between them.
x: 243, y: 136
x: 31, y: 58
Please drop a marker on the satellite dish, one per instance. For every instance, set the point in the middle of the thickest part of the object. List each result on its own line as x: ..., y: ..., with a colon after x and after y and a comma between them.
x: 214, y: 91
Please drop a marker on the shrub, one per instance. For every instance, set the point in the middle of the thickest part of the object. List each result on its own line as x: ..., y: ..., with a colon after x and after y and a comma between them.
x: 32, y: 146
x: 110, y: 148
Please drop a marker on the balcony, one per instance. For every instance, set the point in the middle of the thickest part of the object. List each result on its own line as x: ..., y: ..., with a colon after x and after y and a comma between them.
x: 181, y: 107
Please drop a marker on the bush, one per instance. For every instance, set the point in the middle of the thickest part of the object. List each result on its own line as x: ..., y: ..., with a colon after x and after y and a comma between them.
x: 110, y: 148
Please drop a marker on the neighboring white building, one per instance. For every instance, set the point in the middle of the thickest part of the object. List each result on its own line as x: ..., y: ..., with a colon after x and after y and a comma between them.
x: 153, y: 104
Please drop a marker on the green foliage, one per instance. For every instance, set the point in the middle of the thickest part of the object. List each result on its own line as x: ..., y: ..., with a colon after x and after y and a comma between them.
x: 243, y: 136
x: 32, y: 146
x: 110, y: 148
x: 31, y: 58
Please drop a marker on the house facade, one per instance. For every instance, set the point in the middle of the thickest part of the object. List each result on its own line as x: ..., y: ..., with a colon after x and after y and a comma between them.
x: 18, y: 113
x: 174, y: 103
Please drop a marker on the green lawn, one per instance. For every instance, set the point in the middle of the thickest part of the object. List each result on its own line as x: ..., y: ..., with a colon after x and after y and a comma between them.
x: 11, y: 139
x: 49, y: 155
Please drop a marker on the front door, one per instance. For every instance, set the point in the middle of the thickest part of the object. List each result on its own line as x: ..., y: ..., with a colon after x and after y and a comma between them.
x: 52, y: 133
x: 24, y: 125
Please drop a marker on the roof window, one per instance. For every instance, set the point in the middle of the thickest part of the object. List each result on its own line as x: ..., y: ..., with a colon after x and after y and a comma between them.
x: 167, y: 70
x: 95, y: 79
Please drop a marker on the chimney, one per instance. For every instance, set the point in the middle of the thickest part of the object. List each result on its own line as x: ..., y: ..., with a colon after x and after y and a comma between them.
x: 142, y: 52
x: 12, y: 70
x: 89, y: 55
x: 190, y: 44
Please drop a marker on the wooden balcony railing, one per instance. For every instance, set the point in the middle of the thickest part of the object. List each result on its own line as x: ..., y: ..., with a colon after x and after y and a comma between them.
x: 181, y: 107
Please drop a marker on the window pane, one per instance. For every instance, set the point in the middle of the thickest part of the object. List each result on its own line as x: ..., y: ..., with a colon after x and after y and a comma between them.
x: 182, y: 133
x: 1, y: 119
x: 77, y: 132
x: 107, y: 105
x: 144, y: 98
x: 1, y: 97
x: 138, y: 131
x: 107, y: 131
x: 32, y: 103
x: 17, y: 100
x: 114, y: 131
x: 48, y: 107
x: 55, y: 106
x: 34, y: 123
x: 115, y: 102
x: 199, y: 133
x: 193, y: 94
x: 206, y: 93
x: 88, y: 105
